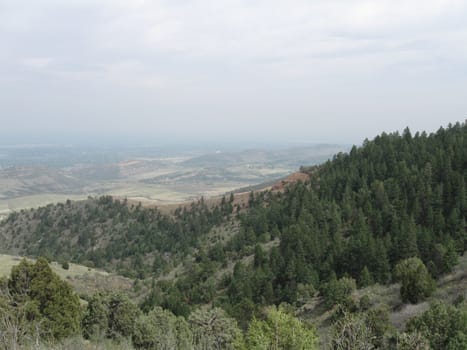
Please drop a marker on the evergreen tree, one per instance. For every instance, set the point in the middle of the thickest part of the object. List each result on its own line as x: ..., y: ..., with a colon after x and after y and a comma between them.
x: 416, y: 282
x: 51, y: 301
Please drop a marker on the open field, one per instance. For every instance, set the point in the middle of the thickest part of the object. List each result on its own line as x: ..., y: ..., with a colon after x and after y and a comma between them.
x: 37, y: 200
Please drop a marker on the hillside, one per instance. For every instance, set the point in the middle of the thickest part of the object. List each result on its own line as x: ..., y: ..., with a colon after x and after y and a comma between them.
x: 319, y: 241
x: 109, y: 233
x: 449, y: 288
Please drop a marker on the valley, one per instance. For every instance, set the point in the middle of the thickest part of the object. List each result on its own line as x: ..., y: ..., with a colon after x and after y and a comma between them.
x: 32, y: 177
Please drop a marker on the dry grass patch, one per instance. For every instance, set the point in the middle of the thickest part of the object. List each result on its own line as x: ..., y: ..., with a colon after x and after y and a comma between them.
x: 84, y: 280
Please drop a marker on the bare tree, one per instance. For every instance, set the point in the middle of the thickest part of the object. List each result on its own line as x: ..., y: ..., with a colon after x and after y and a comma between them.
x: 12, y: 328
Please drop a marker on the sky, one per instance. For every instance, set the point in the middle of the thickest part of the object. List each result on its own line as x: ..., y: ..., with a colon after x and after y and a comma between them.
x: 334, y: 71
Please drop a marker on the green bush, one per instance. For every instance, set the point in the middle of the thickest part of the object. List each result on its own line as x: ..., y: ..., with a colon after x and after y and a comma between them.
x: 364, y: 303
x: 111, y: 315
x: 161, y: 329
x: 49, y: 300
x: 65, y: 265
x: 213, y: 329
x: 338, y: 291
x: 416, y: 282
x: 280, y: 330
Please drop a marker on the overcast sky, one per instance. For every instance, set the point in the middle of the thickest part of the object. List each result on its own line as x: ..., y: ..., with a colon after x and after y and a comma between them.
x: 311, y: 70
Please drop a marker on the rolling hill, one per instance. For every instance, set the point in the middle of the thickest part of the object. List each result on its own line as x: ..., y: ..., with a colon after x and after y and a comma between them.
x: 328, y: 243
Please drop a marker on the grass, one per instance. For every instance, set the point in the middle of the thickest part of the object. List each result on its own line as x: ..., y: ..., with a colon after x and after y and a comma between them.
x: 84, y: 280
x: 33, y: 201
x: 6, y: 263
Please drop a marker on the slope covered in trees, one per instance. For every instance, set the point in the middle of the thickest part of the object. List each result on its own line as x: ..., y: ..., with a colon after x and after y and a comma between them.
x: 396, y: 197
x: 394, y: 209
x: 109, y: 233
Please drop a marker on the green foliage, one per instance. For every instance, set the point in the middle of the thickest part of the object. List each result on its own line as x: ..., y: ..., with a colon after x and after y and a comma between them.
x: 213, y: 329
x: 280, y: 330
x: 112, y: 315
x: 184, y: 334
x: 459, y: 341
x: 338, y: 291
x: 168, y: 296
x: 365, y: 279
x: 445, y: 326
x: 96, y: 318
x: 412, y: 341
x: 304, y: 293
x: 65, y: 265
x: 48, y: 300
x: 416, y: 282
x: 364, y: 303
x: 377, y: 321
x: 365, y: 330
x: 160, y: 329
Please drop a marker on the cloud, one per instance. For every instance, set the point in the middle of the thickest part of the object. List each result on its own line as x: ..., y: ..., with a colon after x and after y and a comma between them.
x: 37, y: 62
x: 227, y: 32
x: 234, y: 59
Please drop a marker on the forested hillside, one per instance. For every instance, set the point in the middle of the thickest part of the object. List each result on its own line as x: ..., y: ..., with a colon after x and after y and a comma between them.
x: 110, y: 233
x: 392, y: 210
x: 396, y: 197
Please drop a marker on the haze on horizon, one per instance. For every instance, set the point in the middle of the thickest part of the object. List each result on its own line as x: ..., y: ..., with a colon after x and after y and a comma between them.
x: 323, y: 71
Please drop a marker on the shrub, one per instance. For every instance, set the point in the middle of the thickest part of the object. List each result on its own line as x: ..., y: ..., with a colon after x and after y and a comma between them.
x: 280, y: 330
x: 49, y: 299
x: 416, y: 282
x: 338, y: 291
x: 112, y: 315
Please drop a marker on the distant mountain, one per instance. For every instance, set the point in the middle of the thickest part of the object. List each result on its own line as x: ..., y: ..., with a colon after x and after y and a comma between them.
x: 292, y: 157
